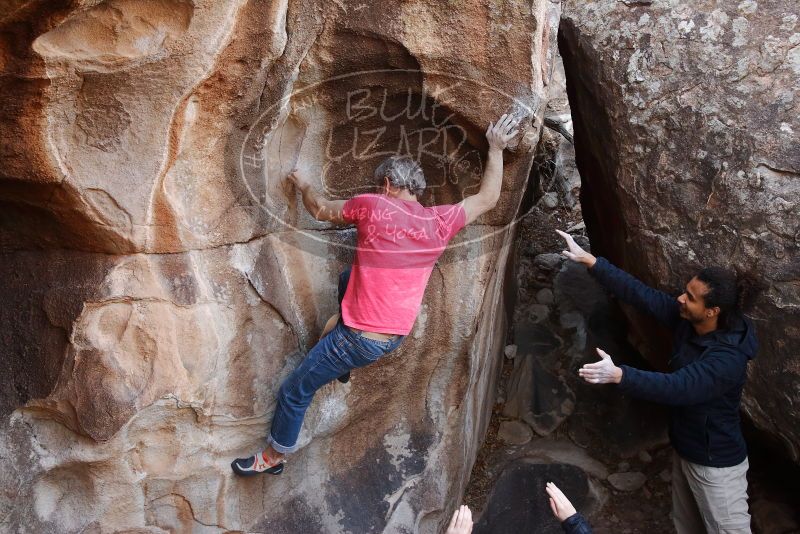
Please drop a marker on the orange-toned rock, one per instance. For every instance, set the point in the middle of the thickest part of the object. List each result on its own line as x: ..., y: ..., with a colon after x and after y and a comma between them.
x: 162, y: 278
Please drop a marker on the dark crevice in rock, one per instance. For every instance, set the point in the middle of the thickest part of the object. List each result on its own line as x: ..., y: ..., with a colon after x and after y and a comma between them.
x: 36, y: 336
x: 605, y: 226
x: 774, y: 482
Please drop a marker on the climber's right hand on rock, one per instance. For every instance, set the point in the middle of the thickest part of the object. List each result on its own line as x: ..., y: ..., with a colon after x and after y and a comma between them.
x: 575, y: 252
x: 499, y: 134
x: 299, y: 179
x: 559, y: 503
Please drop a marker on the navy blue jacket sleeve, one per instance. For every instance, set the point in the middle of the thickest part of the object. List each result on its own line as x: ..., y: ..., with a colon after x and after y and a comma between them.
x: 697, y: 382
x: 576, y: 524
x: 625, y: 287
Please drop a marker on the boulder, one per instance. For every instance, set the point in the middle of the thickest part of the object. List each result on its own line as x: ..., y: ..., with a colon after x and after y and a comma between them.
x: 545, y: 296
x: 161, y: 278
x: 686, y: 136
x: 538, y: 396
x: 518, y: 502
x: 514, y: 433
x: 627, y: 481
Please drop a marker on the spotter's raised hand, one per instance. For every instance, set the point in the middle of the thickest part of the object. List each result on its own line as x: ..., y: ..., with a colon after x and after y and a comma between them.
x: 574, y: 251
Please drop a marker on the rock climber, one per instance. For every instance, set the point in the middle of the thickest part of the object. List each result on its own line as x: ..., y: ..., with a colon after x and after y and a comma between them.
x: 712, y: 343
x: 397, y: 244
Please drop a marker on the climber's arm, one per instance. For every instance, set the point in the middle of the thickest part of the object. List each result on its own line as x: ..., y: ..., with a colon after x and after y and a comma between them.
x: 498, y: 135
x: 318, y: 206
x: 487, y: 196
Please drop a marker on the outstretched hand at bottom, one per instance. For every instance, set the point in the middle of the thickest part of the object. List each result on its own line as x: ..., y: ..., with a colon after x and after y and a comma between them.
x: 559, y: 503
x: 461, y: 523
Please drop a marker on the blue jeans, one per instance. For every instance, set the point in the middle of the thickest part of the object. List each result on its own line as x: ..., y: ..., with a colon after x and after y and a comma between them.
x: 334, y: 355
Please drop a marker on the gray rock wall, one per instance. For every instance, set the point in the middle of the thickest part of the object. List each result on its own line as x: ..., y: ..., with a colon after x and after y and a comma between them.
x: 687, y: 133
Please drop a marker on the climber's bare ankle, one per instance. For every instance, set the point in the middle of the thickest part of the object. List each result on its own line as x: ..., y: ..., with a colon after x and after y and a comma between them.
x: 272, y: 454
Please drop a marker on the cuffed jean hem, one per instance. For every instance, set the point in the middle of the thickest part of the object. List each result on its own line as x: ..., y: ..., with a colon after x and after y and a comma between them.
x: 278, y: 447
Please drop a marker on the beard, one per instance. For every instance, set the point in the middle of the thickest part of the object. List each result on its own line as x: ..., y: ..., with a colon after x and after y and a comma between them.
x: 685, y: 314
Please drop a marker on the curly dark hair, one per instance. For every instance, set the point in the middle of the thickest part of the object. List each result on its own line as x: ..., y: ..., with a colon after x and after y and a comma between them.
x: 732, y: 293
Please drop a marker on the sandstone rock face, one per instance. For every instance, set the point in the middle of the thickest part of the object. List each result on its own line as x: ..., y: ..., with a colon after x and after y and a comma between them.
x: 160, y: 278
x: 686, y: 134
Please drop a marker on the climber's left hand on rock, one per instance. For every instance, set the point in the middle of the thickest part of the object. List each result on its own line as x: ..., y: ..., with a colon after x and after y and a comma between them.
x: 602, y: 372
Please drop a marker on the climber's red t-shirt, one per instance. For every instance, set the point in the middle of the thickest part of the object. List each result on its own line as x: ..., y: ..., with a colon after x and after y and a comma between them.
x: 398, y: 243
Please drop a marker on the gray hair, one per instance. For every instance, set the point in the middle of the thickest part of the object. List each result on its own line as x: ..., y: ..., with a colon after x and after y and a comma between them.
x: 402, y: 172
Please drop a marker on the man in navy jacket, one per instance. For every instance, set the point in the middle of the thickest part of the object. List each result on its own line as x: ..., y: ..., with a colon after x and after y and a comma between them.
x: 712, y: 344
